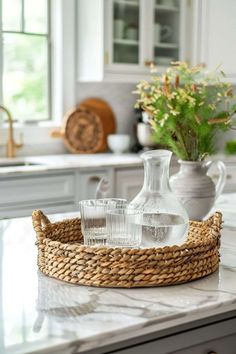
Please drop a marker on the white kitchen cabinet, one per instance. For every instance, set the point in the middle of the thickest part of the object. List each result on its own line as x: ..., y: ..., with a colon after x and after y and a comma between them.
x: 128, y: 182
x: 214, y: 32
x: 217, y: 338
x: 217, y: 346
x: 51, y: 191
x: 87, y: 183
x: 230, y: 183
x: 127, y: 36
x: 60, y: 190
x: 16, y: 210
x: 46, y: 187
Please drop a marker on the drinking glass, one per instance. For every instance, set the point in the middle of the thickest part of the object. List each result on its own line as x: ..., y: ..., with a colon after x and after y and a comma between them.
x: 124, y: 227
x: 93, y: 219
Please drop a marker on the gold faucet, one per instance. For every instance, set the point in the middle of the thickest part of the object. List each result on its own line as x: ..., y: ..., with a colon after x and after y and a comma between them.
x: 11, y: 144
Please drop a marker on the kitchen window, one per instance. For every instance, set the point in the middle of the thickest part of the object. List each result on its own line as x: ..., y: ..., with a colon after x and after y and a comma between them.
x: 25, y: 53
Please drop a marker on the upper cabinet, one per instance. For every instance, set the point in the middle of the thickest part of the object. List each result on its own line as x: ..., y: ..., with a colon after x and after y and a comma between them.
x: 119, y: 39
x: 167, y: 42
x: 123, y: 34
x: 214, y: 33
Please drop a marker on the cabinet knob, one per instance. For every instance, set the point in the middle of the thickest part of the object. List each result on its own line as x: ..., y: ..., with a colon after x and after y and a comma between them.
x: 211, y: 353
x: 94, y: 179
x: 149, y: 62
x: 106, y: 58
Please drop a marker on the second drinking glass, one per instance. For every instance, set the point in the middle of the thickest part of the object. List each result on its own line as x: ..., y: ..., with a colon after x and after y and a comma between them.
x: 124, y: 227
x: 93, y: 219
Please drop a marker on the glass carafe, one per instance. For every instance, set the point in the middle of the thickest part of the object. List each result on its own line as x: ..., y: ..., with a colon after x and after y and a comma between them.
x: 165, y: 221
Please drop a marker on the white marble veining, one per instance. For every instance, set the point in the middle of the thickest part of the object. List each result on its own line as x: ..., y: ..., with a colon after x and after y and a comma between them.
x: 42, y: 315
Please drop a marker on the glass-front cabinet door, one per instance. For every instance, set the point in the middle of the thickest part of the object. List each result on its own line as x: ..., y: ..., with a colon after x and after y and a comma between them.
x: 166, y: 31
x: 123, y: 35
x: 142, y: 32
x: 126, y: 38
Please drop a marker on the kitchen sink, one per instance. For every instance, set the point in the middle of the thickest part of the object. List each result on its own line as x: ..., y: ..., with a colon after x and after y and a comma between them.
x: 18, y: 164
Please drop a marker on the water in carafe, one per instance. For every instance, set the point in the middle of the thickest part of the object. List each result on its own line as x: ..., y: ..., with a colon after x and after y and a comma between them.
x: 162, y: 229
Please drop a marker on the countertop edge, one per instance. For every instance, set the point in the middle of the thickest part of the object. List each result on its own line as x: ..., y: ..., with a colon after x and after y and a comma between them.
x: 155, y: 331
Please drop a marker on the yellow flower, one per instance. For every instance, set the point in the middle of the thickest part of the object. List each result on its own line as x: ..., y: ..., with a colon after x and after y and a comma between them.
x: 174, y: 112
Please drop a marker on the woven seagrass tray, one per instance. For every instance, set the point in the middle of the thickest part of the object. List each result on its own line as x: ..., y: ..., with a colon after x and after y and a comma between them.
x: 62, y: 255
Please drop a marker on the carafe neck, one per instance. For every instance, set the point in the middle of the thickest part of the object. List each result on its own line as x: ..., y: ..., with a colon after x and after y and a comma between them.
x: 156, y: 171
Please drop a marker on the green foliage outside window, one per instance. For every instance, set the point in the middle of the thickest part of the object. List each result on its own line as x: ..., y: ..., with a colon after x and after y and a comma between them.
x: 25, y: 81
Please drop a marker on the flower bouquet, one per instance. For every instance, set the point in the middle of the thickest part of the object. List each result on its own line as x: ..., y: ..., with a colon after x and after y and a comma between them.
x: 187, y: 107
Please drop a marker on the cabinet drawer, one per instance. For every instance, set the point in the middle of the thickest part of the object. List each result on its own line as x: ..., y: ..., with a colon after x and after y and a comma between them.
x: 28, y: 189
x: 16, y: 211
x: 225, y: 345
x: 230, y: 184
x: 128, y: 182
x: 219, y: 338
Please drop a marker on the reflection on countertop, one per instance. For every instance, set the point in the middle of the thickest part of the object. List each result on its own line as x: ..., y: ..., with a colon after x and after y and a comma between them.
x: 43, y: 315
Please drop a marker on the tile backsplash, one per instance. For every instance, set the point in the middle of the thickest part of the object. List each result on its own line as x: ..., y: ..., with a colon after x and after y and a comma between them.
x: 120, y: 98
x: 118, y: 95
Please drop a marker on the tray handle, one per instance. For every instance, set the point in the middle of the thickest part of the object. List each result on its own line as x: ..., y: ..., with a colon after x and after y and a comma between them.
x: 39, y: 220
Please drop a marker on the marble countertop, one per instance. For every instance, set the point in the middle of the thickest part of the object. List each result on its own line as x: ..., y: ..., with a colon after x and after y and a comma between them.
x: 68, y: 161
x: 36, y: 164
x: 42, y: 315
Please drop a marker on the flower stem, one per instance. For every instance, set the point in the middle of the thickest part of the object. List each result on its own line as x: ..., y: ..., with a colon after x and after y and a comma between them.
x: 182, y: 142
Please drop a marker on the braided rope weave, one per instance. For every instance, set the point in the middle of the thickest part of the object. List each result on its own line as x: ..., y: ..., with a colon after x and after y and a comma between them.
x: 62, y: 255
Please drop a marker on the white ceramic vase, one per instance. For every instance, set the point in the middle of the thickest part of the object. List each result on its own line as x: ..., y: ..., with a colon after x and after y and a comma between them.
x: 144, y: 135
x: 195, y: 189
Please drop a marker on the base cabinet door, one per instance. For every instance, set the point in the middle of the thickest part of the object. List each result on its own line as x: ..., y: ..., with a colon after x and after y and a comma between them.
x: 230, y: 183
x: 88, y: 183
x: 51, y: 187
x: 26, y: 210
x: 226, y: 345
x: 128, y: 183
x: 52, y: 192
x: 217, y: 338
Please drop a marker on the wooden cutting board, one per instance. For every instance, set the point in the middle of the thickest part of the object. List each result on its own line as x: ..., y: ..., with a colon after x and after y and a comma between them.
x: 104, y: 111
x: 85, y: 128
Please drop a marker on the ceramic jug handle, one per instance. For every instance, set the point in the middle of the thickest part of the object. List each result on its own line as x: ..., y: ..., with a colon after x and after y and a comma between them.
x: 222, y: 177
